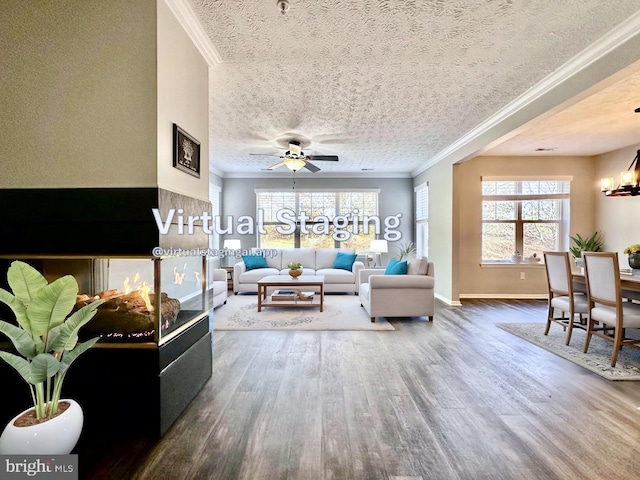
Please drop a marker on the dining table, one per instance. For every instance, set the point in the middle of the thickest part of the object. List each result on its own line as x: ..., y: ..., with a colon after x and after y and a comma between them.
x: 629, y: 283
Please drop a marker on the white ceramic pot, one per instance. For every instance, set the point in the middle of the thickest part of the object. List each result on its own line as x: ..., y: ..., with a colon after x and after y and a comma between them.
x: 57, y: 436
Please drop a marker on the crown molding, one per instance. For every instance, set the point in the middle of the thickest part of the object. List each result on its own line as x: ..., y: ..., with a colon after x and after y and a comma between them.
x: 606, y: 45
x: 192, y: 26
x: 318, y: 176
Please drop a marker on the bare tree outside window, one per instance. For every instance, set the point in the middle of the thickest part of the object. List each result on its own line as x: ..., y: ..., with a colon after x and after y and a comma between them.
x: 525, y: 216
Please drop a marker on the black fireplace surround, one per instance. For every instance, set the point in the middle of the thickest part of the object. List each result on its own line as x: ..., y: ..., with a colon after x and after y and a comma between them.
x: 134, y: 389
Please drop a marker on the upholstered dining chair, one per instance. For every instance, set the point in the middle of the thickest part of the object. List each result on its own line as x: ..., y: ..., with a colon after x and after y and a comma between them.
x: 604, y: 294
x: 562, y: 298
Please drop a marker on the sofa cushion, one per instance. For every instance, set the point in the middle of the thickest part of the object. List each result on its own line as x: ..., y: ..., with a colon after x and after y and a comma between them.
x: 305, y: 256
x: 326, y: 257
x: 417, y: 266
x: 251, y: 262
x: 305, y: 271
x: 396, y: 267
x: 275, y: 259
x: 337, y: 275
x: 344, y: 261
x: 252, y: 276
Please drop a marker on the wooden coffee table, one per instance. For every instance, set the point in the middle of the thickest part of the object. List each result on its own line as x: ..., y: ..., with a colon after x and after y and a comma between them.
x: 270, y: 281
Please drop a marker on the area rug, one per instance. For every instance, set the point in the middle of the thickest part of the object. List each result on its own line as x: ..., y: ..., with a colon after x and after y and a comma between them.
x: 341, y: 312
x: 596, y: 360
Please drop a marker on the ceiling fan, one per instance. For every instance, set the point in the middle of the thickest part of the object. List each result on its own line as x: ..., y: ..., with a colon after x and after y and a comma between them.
x: 295, y: 159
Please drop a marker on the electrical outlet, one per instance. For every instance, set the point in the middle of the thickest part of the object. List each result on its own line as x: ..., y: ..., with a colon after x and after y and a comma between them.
x: 521, y: 275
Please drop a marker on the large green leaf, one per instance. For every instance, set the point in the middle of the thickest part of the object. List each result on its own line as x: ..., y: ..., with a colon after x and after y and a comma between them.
x: 43, y: 366
x: 25, y: 281
x: 22, y: 366
x: 65, y: 336
x: 21, y: 340
x: 69, y: 357
x: 52, y: 304
x: 18, y: 309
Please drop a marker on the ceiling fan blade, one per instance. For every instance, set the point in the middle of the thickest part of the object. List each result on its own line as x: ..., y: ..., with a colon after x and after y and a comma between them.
x: 323, y: 158
x: 311, y: 167
x: 266, y: 155
x: 277, y: 165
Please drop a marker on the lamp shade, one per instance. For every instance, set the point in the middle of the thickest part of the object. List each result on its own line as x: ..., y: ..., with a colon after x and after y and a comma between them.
x: 294, y: 164
x: 628, y: 179
x: 232, y: 244
x: 379, y: 246
x: 606, y: 184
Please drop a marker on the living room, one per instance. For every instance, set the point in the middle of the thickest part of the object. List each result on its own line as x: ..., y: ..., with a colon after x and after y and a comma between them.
x: 93, y: 106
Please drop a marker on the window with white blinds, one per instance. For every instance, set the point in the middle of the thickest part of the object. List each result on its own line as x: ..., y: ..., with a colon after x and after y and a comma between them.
x: 314, y: 206
x: 523, y: 216
x: 422, y: 219
x: 214, y: 198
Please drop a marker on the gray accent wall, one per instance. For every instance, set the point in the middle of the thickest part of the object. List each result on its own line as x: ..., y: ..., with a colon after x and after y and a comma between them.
x: 396, y: 196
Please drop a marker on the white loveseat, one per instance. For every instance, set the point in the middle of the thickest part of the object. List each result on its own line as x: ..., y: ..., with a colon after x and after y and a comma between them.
x: 219, y: 287
x: 410, y: 295
x: 315, y: 261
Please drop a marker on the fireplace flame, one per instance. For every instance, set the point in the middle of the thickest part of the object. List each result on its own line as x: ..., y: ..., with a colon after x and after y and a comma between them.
x: 144, y: 293
x: 143, y: 288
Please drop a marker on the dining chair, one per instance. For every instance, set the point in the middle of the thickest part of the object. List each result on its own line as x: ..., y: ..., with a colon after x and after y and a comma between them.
x: 604, y: 294
x: 562, y: 296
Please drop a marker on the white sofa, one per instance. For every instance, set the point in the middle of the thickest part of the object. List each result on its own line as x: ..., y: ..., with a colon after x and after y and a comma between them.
x: 219, y: 286
x: 315, y: 261
x: 409, y: 295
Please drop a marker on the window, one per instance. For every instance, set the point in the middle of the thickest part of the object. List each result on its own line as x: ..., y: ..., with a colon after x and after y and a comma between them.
x: 422, y: 220
x: 526, y: 216
x: 214, y: 198
x: 317, y: 219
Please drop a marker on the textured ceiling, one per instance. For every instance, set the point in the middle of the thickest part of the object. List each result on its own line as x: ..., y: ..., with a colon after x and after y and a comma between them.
x: 383, y: 84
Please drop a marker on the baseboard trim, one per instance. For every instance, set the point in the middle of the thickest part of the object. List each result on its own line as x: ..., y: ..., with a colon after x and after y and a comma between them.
x: 506, y: 296
x: 447, y: 301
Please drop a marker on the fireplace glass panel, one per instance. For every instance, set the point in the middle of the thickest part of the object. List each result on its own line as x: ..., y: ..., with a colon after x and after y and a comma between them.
x: 132, y: 312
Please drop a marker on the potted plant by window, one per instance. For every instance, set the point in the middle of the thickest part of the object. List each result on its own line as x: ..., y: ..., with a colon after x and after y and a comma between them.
x: 633, y: 252
x: 46, y: 340
x: 592, y: 244
x: 295, y: 269
x: 407, y: 250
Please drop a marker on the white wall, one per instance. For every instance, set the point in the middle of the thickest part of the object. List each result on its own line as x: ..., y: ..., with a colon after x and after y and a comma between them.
x: 78, y: 94
x: 183, y: 93
x: 441, y: 228
x: 618, y: 218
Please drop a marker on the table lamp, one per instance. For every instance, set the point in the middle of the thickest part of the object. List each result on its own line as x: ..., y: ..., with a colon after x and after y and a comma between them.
x: 231, y: 244
x: 378, y: 247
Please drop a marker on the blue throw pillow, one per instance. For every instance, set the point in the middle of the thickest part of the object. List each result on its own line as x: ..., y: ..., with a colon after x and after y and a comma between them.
x: 344, y: 261
x: 396, y: 267
x: 251, y: 262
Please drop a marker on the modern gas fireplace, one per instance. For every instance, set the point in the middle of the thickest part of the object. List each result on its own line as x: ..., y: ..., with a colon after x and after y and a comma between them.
x: 155, y: 347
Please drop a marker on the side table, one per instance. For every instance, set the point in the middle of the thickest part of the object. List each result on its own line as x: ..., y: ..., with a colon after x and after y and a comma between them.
x: 229, y: 277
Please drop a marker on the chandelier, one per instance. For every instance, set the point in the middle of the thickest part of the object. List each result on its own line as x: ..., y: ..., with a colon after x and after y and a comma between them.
x: 628, y: 186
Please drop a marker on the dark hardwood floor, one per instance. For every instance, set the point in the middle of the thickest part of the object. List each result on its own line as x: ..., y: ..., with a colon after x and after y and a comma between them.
x: 458, y: 398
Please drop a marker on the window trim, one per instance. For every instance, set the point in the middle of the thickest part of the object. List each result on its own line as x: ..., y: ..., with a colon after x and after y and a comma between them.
x: 297, y: 235
x: 518, y: 221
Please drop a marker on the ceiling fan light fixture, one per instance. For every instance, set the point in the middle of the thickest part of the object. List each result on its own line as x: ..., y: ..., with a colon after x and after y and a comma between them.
x: 294, y: 164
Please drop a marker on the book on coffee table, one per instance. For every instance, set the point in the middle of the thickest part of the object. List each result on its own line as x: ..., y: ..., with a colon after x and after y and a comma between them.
x: 284, y: 295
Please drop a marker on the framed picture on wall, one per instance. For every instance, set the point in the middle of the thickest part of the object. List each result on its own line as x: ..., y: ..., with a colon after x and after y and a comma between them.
x: 186, y: 152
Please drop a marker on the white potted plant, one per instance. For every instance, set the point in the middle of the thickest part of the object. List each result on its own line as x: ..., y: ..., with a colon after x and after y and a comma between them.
x: 46, y: 340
